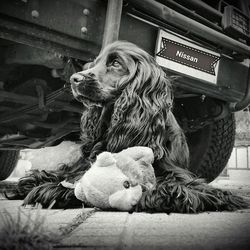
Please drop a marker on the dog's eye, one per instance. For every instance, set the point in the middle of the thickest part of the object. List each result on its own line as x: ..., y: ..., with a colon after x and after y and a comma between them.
x: 126, y: 184
x: 115, y: 63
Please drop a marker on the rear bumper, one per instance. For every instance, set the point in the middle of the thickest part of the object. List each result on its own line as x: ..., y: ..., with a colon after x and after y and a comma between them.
x: 139, y: 23
x: 233, y: 81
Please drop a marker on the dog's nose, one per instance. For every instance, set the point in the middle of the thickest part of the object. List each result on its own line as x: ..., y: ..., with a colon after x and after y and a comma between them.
x: 76, y: 78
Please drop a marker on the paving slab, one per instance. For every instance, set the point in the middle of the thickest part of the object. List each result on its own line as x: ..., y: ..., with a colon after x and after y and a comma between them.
x: 91, y: 229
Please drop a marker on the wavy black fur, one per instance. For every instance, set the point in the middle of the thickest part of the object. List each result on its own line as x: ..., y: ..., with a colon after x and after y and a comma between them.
x: 129, y: 104
x: 44, y: 187
x: 179, y: 191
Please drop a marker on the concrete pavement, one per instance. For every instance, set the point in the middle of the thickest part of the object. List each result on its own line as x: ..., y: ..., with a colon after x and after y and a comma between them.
x: 121, y: 230
x: 161, y: 231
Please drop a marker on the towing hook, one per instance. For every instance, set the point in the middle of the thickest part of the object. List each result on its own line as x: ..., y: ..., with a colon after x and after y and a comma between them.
x: 245, y: 102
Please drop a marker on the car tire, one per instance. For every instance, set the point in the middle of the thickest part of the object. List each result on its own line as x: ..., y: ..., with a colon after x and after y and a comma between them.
x: 8, y: 161
x: 211, y: 147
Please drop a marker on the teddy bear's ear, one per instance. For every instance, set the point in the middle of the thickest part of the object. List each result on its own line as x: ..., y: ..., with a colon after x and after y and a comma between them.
x: 79, y: 193
x: 105, y: 159
x: 139, y: 153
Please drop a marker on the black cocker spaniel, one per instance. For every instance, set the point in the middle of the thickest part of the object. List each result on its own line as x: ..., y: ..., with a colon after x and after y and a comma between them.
x: 128, y: 102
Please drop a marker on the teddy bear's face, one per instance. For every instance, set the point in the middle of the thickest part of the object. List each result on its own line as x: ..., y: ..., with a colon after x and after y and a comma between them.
x: 112, y: 190
x: 104, y: 185
x: 115, y: 180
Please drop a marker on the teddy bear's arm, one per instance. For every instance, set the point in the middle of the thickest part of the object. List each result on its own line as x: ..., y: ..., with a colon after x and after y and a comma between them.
x: 68, y: 184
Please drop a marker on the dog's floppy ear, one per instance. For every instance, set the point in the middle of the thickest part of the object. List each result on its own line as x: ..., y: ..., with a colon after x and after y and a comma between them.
x: 141, y: 111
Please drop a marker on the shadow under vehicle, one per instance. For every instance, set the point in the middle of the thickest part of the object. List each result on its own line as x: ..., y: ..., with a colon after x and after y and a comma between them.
x: 204, y: 44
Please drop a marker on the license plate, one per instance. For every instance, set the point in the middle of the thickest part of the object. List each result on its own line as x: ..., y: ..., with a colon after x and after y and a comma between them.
x: 184, y: 56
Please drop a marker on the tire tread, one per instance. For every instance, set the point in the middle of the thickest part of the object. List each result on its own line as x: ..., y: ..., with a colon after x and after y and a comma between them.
x: 8, y: 161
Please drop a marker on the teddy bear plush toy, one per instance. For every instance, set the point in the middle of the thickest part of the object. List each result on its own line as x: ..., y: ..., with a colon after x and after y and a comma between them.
x: 117, y: 180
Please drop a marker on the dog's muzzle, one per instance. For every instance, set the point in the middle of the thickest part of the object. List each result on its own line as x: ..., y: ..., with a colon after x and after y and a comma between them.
x: 77, y: 85
x: 76, y: 79
x: 85, y: 87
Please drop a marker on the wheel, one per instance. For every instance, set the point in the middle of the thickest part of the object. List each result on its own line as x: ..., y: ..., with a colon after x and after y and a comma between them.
x: 211, y: 147
x: 8, y: 161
